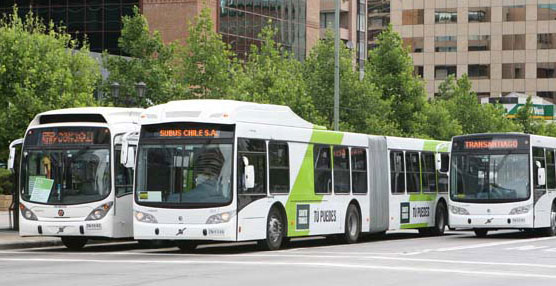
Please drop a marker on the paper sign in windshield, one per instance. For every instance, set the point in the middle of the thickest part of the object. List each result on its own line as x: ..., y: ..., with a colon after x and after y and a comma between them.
x: 150, y: 196
x: 41, y: 190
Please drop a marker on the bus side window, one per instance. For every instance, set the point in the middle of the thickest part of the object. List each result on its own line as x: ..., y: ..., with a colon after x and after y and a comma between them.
x: 443, y: 177
x: 323, y: 169
x: 397, y: 172
x: 538, y: 156
x: 428, y: 173
x: 550, y: 170
x: 123, y: 177
x: 254, y: 151
x: 359, y: 170
x: 412, y: 169
x: 341, y: 170
x: 279, y: 167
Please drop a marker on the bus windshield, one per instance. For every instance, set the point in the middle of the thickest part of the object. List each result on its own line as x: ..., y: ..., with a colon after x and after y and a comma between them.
x: 489, y: 177
x: 66, y: 176
x: 185, y: 174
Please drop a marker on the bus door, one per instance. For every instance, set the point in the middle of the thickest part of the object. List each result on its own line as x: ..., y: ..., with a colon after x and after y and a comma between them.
x: 124, y: 168
x: 13, y: 165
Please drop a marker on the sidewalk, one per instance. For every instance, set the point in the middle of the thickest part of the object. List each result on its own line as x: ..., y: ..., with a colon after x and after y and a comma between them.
x: 10, y: 239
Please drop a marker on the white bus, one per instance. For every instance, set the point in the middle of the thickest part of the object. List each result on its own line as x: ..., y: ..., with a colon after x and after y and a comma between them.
x: 503, y: 181
x: 72, y: 184
x: 236, y: 171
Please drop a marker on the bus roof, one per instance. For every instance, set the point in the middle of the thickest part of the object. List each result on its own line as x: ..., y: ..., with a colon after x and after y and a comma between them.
x: 107, y: 115
x: 223, y: 112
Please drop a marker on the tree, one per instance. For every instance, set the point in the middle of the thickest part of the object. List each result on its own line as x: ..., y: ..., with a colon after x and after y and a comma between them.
x: 150, y: 61
x: 390, y: 69
x: 273, y: 76
x: 41, y: 68
x: 437, y: 122
x: 207, y: 66
x: 361, y: 107
x: 525, y: 118
x: 462, y: 103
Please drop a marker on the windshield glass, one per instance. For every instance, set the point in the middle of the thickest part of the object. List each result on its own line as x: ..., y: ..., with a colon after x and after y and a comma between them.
x: 488, y: 177
x: 66, y: 176
x: 185, y: 174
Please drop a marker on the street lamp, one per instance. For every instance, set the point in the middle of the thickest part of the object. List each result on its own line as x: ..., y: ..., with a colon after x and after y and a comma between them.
x: 140, y: 88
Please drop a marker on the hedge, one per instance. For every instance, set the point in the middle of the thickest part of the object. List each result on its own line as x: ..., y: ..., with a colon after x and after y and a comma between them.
x: 6, y: 181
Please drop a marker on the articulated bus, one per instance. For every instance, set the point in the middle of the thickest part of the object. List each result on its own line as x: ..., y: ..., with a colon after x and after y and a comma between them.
x: 503, y: 181
x: 72, y: 184
x: 217, y: 170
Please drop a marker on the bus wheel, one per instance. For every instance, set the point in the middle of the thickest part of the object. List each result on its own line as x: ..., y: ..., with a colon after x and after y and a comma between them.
x: 186, y: 245
x: 274, y: 231
x: 439, y: 220
x: 481, y: 232
x: 551, y: 231
x: 353, y: 225
x: 74, y: 243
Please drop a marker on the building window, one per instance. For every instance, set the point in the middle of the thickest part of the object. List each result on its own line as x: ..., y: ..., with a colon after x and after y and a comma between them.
x: 546, y: 41
x: 446, y: 16
x: 513, y: 71
x: 513, y: 13
x: 546, y: 70
x: 415, y: 45
x: 445, y: 44
x: 413, y: 17
x: 240, y: 23
x: 327, y: 20
x: 418, y: 71
x: 546, y: 12
x: 442, y: 72
x: 479, y: 71
x: 478, y: 14
x: 478, y: 43
x: 513, y: 42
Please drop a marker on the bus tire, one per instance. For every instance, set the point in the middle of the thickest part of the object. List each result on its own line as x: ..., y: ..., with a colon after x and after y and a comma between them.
x: 439, y: 220
x: 74, y: 243
x: 352, y: 225
x: 186, y: 245
x: 275, y: 231
x: 551, y: 231
x: 481, y: 232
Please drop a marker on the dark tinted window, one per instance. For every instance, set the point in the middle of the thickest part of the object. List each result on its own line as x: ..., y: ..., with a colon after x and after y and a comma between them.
x: 323, y: 169
x: 550, y: 170
x: 341, y: 170
x: 252, y: 151
x: 428, y: 172
x: 359, y: 170
x: 397, y: 172
x: 123, y: 176
x: 538, y: 156
x: 279, y: 167
x: 412, y: 167
x: 443, y: 178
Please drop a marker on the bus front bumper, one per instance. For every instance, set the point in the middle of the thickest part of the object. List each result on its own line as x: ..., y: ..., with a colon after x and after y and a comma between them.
x: 100, y: 228
x: 218, y: 232
x: 491, y: 221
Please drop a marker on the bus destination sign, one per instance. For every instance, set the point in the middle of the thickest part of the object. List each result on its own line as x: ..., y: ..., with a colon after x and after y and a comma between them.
x: 198, y: 132
x: 492, y: 144
x: 187, y: 130
x: 67, y: 137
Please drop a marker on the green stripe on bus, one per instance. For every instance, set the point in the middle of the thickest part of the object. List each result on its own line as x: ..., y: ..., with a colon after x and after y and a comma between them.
x: 422, y: 197
x: 430, y: 145
x: 414, y: 225
x: 304, y: 185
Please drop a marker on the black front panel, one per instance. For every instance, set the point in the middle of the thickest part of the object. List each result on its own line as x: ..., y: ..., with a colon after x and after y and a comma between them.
x: 67, y: 136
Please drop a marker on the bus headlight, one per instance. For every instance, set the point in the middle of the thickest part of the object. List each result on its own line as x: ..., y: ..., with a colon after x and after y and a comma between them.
x: 100, y: 212
x: 145, y: 217
x: 27, y: 213
x: 458, y: 210
x: 220, y: 218
x: 520, y: 210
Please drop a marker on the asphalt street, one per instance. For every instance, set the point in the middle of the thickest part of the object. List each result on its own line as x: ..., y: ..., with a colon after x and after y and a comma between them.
x: 399, y: 258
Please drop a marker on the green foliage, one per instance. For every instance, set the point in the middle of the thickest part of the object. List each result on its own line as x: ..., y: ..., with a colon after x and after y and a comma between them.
x: 41, y: 68
x: 6, y: 181
x: 525, y: 118
x: 272, y: 76
x: 437, y: 122
x: 464, y: 106
x: 151, y: 61
x: 206, y: 64
x: 361, y: 107
x: 390, y: 68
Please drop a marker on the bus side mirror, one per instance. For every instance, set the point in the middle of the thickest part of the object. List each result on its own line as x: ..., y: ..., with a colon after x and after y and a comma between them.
x: 541, y: 174
x: 11, y: 159
x: 130, y: 162
x: 248, y: 174
x: 440, y: 164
